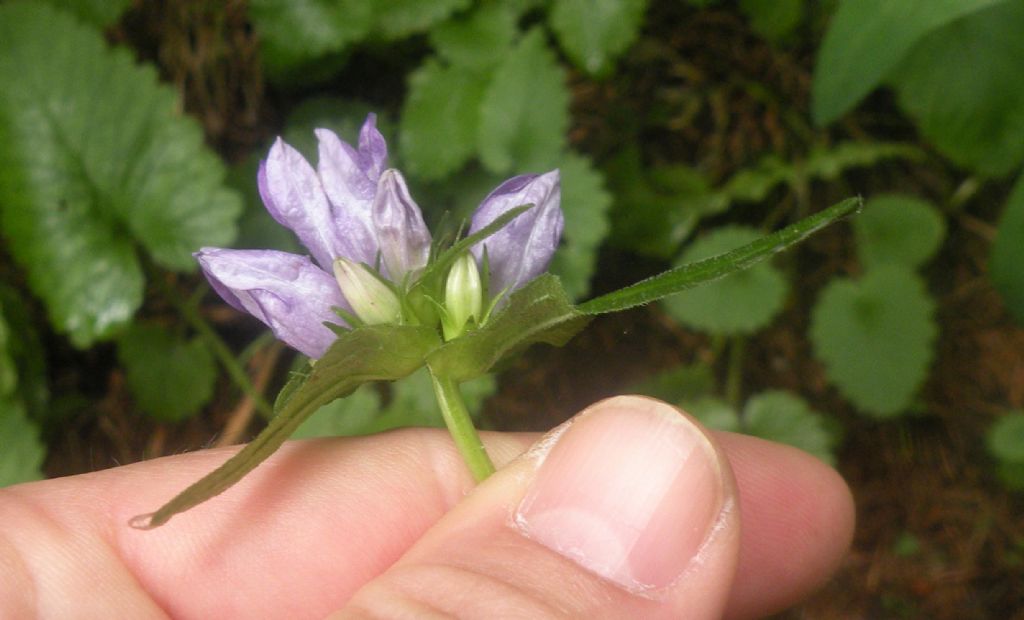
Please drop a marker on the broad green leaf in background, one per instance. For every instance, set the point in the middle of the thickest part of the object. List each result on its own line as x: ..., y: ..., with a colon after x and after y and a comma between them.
x: 26, y: 355
x: 585, y: 203
x: 784, y: 417
x: 170, y: 378
x: 440, y: 118
x: 1005, y: 441
x: 679, y: 384
x: 740, y: 303
x: 866, y: 39
x: 1007, y: 259
x: 99, y: 13
x: 395, y: 19
x: 21, y: 451
x: 876, y: 337
x: 343, y: 417
x: 478, y: 40
x: 595, y: 32
x: 524, y: 116
x: 94, y: 160
x: 714, y: 413
x: 295, y: 32
x: 962, y: 84
x: 656, y: 207
x: 898, y: 229
x: 775, y: 19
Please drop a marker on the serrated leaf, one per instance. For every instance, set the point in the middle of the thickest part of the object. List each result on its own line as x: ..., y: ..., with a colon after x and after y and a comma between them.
x: 594, y: 33
x: 692, y: 274
x: 478, y: 40
x: 94, y: 157
x: 962, y: 86
x: 898, y: 229
x: 585, y: 204
x: 295, y: 32
x: 866, y: 39
x: 780, y: 416
x: 394, y: 19
x: 876, y: 337
x: 170, y: 379
x: 740, y: 303
x: 440, y: 118
x: 524, y: 116
x: 656, y: 208
x: 1008, y: 253
x: 538, y: 312
x: 774, y: 19
x: 99, y: 13
x: 1005, y: 438
x: 375, y: 353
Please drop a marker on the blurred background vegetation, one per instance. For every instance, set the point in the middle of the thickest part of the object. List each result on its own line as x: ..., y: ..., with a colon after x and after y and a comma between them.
x: 889, y: 345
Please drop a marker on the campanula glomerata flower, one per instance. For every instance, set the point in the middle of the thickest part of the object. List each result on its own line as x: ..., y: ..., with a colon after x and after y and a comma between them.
x: 369, y: 243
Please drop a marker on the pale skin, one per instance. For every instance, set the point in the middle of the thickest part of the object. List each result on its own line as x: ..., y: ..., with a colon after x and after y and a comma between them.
x: 391, y: 526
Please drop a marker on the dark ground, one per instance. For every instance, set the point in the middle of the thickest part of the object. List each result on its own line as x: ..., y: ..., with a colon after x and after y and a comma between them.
x: 937, y: 536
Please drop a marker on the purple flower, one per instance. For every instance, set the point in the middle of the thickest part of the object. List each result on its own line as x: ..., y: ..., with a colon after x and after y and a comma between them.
x: 351, y: 210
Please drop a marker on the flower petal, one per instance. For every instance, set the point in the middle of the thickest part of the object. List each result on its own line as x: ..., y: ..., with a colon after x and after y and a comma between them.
x: 285, y: 291
x: 293, y: 195
x: 403, y: 237
x: 521, y: 250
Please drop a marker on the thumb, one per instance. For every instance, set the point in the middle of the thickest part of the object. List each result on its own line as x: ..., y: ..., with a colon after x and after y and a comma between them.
x: 629, y: 510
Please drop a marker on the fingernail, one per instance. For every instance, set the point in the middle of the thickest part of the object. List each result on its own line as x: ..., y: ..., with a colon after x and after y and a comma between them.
x: 630, y: 491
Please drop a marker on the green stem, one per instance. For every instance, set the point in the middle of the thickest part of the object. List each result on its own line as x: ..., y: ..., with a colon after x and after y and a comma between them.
x: 734, y: 373
x: 456, y: 417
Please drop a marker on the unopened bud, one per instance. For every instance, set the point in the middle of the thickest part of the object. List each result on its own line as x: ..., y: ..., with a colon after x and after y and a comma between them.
x: 373, y: 301
x: 463, y: 296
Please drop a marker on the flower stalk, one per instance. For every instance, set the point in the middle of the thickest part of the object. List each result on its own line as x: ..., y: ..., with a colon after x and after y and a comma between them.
x: 460, y: 426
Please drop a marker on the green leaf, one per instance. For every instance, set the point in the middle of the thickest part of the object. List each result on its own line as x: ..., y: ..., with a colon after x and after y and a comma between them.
x: 440, y: 119
x: 1008, y: 253
x: 687, y: 276
x: 538, y: 312
x: 98, y: 13
x: 898, y: 229
x: 295, y: 32
x: 680, y: 384
x: 524, y: 116
x: 775, y: 19
x: 714, y: 413
x: 170, y: 379
x: 585, y: 204
x: 343, y: 417
x: 655, y: 209
x: 395, y: 19
x: 784, y: 417
x: 21, y: 452
x: 739, y: 303
x: 365, y: 354
x: 1005, y: 438
x: 876, y: 337
x: 478, y: 40
x: 962, y: 85
x: 94, y: 158
x: 866, y: 39
x: 594, y: 33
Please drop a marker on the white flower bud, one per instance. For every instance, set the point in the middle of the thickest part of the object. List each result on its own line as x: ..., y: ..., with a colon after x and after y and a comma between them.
x: 463, y: 296
x: 371, y: 300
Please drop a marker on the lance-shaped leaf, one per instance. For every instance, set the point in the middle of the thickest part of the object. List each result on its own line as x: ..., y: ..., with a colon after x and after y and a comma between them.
x: 361, y: 355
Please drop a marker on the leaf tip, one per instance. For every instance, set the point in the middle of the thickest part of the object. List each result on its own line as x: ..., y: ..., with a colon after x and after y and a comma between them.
x: 146, y: 521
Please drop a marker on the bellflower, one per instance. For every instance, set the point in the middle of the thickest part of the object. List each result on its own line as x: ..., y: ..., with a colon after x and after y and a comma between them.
x: 368, y: 242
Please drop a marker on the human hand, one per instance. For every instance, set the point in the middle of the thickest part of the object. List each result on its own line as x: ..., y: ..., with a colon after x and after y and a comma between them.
x: 630, y: 512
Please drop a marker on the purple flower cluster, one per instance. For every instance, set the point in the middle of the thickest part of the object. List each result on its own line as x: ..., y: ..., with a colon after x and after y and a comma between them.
x: 353, y: 214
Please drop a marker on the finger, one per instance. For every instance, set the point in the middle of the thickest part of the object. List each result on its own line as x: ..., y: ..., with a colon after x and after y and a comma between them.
x: 629, y: 511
